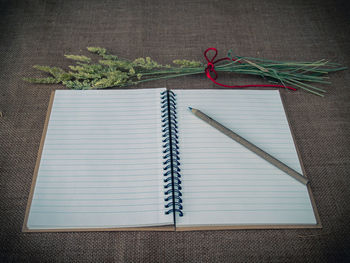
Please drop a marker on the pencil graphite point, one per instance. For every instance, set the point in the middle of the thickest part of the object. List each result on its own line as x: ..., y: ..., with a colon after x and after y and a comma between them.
x: 190, y: 108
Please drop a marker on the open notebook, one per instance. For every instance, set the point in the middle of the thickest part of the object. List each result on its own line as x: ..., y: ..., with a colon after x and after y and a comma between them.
x: 140, y: 160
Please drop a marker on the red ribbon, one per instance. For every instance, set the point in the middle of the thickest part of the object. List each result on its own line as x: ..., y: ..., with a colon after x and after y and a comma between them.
x: 211, y: 68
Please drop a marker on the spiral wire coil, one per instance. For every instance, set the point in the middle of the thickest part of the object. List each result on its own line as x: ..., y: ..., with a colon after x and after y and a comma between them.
x: 171, y: 164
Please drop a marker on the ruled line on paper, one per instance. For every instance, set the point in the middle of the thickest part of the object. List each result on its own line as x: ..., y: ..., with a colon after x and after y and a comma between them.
x: 97, y: 139
x: 144, y: 204
x: 240, y: 210
x: 133, y: 109
x: 96, y: 181
x: 97, y: 143
x: 91, y: 187
x: 96, y: 134
x: 93, y: 193
x: 107, y: 114
x: 98, y: 159
x: 114, y: 153
x: 96, y: 212
x: 90, y: 200
x: 99, y: 119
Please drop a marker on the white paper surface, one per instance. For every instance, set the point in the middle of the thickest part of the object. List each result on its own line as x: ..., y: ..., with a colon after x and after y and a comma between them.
x: 223, y: 182
x: 101, y: 164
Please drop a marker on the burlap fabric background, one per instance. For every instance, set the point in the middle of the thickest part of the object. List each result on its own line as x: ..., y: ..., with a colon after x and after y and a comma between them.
x: 40, y: 32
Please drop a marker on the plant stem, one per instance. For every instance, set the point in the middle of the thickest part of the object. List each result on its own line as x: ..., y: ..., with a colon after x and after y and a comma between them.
x: 169, y: 76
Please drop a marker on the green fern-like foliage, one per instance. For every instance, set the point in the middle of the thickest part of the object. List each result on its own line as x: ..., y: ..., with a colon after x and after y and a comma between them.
x: 110, y: 71
x: 78, y: 58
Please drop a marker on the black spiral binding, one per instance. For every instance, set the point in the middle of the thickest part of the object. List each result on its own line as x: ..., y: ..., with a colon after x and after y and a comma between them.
x: 171, y: 153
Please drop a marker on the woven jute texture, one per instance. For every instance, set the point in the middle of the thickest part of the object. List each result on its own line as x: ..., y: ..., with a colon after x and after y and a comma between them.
x: 41, y: 32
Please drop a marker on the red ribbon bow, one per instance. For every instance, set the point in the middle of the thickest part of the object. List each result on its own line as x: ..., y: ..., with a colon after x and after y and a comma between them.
x: 211, y: 68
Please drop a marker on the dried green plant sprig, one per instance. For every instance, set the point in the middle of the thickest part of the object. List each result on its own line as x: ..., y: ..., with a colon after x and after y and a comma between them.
x: 112, y: 72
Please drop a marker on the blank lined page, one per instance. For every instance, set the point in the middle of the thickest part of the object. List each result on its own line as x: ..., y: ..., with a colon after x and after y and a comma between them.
x: 223, y: 182
x: 101, y: 165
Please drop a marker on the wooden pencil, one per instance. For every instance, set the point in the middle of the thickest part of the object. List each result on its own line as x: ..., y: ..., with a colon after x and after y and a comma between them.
x: 250, y: 146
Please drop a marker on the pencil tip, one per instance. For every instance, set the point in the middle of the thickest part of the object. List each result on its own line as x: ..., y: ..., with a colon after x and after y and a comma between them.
x: 190, y: 108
